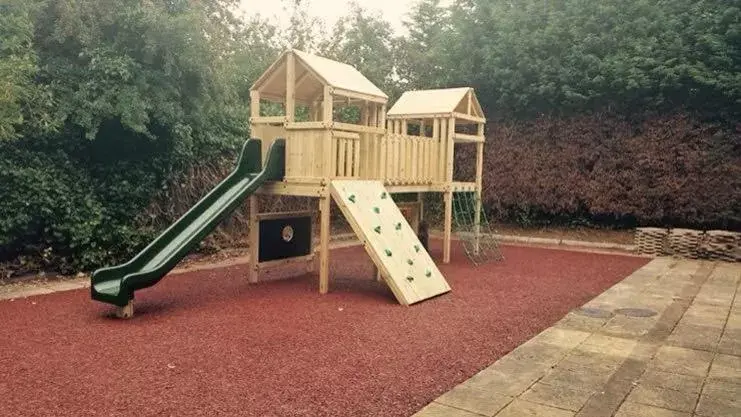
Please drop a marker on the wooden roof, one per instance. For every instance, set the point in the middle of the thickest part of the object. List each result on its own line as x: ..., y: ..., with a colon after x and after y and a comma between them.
x: 312, y: 74
x: 435, y: 102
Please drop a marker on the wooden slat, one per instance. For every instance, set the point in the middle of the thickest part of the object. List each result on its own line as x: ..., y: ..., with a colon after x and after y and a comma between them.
x: 356, y: 160
x: 434, y: 164
x: 340, y: 157
x: 383, y: 157
x: 442, y: 150
x: 451, y: 150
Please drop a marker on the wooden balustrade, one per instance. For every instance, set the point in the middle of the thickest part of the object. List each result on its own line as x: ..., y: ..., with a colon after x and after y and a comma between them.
x: 410, y: 159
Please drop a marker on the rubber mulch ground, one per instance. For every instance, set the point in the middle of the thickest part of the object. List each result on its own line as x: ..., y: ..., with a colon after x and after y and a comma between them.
x: 206, y: 343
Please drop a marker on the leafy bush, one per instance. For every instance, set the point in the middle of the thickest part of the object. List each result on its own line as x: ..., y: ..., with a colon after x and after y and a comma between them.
x: 666, y: 170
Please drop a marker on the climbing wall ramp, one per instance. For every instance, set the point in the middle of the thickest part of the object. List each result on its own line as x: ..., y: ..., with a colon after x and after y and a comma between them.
x: 389, y: 240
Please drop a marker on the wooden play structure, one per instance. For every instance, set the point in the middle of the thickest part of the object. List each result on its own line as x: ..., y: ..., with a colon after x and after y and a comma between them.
x: 342, y: 143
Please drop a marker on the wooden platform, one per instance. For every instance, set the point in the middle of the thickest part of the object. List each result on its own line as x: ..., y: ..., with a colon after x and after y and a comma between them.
x: 389, y: 240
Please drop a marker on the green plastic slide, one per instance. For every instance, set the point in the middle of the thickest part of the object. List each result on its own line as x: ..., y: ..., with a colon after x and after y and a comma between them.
x: 116, y: 285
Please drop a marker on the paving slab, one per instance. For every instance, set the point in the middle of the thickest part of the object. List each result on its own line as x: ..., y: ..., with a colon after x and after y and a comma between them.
x: 564, y: 396
x: 678, y: 382
x: 726, y: 368
x: 663, y: 398
x: 474, y: 400
x: 629, y: 409
x: 522, y: 408
x: 615, y: 358
x: 683, y: 361
x: 439, y: 410
x: 719, y: 399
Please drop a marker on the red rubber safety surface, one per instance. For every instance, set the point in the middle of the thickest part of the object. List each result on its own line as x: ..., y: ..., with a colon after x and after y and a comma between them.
x: 206, y: 343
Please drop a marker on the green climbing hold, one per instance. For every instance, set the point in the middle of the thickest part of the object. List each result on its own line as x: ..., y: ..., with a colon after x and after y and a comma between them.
x: 388, y: 252
x: 398, y: 226
x: 376, y: 210
x: 410, y: 279
x: 377, y: 229
x: 351, y: 198
x: 410, y: 262
x: 383, y: 195
x: 416, y: 248
x: 428, y: 273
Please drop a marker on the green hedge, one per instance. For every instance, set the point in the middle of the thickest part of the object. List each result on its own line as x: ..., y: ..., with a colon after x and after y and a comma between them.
x: 664, y: 171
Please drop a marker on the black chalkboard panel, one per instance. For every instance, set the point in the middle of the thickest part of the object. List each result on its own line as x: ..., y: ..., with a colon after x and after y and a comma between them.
x: 284, y: 238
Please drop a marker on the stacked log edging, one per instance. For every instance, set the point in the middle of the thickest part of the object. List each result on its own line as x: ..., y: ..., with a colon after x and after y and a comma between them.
x: 651, y: 240
x: 715, y: 245
x: 722, y: 245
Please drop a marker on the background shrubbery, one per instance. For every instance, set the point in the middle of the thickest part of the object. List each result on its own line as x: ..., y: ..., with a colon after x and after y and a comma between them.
x: 605, y: 170
x: 115, y: 116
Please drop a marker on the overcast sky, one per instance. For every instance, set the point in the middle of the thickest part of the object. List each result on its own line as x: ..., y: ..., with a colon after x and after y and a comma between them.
x: 394, y: 11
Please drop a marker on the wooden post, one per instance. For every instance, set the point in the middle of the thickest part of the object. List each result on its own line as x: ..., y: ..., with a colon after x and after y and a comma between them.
x: 290, y: 87
x: 479, y: 189
x: 436, y: 156
x: 327, y: 156
x: 450, y: 154
x: 254, y: 103
x: 421, y: 200
x: 125, y: 312
x: 448, y: 226
x: 324, y: 228
x: 254, y: 239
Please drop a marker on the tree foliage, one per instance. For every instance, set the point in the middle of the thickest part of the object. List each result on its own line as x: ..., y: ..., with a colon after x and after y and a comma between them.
x: 103, y: 103
x: 531, y: 57
x: 133, y: 92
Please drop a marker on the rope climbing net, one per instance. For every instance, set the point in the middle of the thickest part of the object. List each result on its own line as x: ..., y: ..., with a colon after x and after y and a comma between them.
x: 473, y: 229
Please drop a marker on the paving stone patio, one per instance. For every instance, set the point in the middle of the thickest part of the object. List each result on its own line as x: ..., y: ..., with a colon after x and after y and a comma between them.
x: 664, y: 342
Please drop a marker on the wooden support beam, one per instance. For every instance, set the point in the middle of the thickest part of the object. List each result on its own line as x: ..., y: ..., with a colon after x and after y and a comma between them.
x: 357, y: 128
x: 291, y: 87
x: 125, y: 312
x: 359, y: 96
x: 462, y: 137
x: 327, y: 105
x: 477, y: 214
x: 267, y: 120
x: 254, y: 238
x: 436, y: 157
x: 306, y: 125
x: 450, y: 154
x: 448, y: 228
x: 302, y: 79
x: 469, y: 118
x: 284, y: 215
x: 254, y: 104
x: 284, y: 262
x: 324, y: 228
x: 421, y: 200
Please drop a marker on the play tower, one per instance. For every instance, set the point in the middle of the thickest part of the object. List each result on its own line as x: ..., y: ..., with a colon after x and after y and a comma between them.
x: 325, y: 133
x: 409, y: 149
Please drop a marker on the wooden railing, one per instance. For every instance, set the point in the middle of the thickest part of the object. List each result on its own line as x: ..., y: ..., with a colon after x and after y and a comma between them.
x: 345, y: 154
x: 410, y: 159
